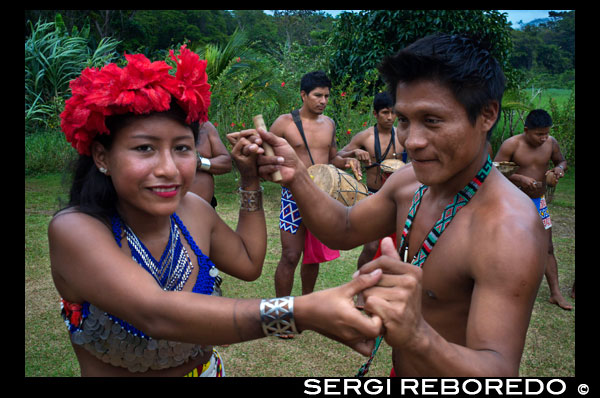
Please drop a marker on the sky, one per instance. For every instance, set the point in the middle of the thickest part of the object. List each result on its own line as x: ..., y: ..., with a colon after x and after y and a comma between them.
x: 513, y: 16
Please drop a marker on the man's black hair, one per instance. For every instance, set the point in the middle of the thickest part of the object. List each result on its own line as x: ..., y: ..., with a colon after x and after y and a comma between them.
x: 382, y: 100
x: 312, y: 80
x: 538, y: 118
x: 461, y: 64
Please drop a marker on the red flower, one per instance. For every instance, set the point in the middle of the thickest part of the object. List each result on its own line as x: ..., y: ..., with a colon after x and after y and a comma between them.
x: 238, y: 59
x: 282, y: 84
x: 343, y: 93
x: 349, y: 132
x: 232, y: 124
x: 141, y: 87
x: 193, y: 88
x: 365, y: 124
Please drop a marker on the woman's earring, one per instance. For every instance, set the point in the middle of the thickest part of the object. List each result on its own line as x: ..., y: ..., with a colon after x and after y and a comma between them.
x: 102, y: 170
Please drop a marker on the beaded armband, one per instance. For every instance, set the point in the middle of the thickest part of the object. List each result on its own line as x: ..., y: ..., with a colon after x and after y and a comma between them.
x: 251, y: 200
x: 277, y: 316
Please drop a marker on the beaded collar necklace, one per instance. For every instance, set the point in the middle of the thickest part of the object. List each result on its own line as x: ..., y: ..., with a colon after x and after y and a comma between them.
x: 173, y: 269
x: 458, y: 202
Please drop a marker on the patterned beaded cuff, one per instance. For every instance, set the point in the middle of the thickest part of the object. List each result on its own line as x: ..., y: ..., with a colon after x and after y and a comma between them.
x: 277, y: 316
x: 251, y: 200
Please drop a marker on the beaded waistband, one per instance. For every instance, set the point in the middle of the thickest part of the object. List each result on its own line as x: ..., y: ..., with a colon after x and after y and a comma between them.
x: 108, y: 340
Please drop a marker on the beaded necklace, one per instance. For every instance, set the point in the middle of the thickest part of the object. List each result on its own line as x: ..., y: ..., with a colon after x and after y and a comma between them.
x: 458, y: 202
x: 174, y: 268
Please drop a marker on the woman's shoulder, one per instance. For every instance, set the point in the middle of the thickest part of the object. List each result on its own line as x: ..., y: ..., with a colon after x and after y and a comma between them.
x: 193, y: 209
x: 72, y: 217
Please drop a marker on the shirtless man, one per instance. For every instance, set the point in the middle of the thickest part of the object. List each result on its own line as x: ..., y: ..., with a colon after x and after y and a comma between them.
x: 532, y: 151
x: 466, y: 309
x: 213, y: 158
x: 363, y: 147
x: 319, y: 132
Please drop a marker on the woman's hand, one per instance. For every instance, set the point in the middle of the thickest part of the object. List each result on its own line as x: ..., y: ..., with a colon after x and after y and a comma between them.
x: 246, y: 148
x: 332, y: 313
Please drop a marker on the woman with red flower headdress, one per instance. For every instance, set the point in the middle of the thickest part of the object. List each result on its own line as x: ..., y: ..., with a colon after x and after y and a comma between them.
x: 134, y: 256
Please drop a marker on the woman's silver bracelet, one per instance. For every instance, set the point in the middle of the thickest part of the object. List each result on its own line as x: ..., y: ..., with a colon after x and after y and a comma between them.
x: 251, y: 200
x: 277, y: 316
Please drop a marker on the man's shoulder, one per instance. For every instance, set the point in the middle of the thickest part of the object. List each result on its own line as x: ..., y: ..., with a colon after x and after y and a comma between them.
x: 363, y: 136
x: 505, y: 234
x: 514, y: 140
x: 504, y: 209
x: 284, y: 125
x: 284, y: 118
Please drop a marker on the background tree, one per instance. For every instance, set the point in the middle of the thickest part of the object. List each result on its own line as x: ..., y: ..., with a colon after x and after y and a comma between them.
x: 361, y: 40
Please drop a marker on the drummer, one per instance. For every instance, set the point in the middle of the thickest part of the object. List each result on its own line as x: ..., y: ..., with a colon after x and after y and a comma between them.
x: 371, y: 147
x: 312, y: 135
x: 532, y: 151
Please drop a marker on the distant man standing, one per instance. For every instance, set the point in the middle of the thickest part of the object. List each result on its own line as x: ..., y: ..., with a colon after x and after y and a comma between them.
x: 213, y: 158
x: 371, y: 147
x: 312, y: 135
x: 532, y: 151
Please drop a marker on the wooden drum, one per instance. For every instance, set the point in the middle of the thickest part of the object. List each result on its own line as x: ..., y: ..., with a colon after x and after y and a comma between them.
x: 506, y: 168
x: 388, y: 166
x: 338, y: 184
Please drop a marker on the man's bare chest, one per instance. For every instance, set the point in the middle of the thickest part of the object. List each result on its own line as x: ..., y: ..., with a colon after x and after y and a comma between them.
x: 530, y: 158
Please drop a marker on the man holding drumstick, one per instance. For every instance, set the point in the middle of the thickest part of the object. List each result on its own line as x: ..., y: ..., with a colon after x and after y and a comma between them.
x: 312, y: 136
x: 457, y: 297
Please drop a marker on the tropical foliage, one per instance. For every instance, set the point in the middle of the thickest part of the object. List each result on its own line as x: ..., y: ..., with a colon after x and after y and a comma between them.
x: 255, y: 60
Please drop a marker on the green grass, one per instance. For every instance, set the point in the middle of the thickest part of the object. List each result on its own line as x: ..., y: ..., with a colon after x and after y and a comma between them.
x: 549, y: 349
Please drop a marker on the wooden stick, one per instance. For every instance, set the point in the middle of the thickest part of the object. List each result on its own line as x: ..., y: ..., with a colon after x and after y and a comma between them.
x: 260, y: 122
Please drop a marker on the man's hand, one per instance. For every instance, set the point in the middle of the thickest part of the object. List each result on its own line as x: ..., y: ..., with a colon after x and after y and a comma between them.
x: 285, y: 160
x: 362, y: 156
x: 246, y: 148
x: 396, y: 298
x: 331, y: 312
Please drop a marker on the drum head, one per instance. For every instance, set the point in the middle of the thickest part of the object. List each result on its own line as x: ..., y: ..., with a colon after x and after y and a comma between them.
x: 338, y: 184
x: 324, y: 177
x: 506, y: 168
x: 391, y: 165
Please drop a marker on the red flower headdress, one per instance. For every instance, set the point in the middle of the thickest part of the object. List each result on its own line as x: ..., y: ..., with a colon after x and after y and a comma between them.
x: 141, y: 87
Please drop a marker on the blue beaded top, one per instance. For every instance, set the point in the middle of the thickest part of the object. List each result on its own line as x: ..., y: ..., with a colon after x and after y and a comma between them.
x: 205, y: 283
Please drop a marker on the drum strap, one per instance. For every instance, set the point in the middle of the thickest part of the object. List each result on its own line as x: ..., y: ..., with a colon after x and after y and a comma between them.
x: 378, y: 157
x: 298, y: 121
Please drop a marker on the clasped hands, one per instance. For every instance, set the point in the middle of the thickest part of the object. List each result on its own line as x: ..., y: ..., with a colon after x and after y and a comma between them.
x: 391, y: 288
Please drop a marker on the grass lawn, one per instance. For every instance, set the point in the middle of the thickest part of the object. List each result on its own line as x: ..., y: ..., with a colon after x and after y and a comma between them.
x: 549, y: 349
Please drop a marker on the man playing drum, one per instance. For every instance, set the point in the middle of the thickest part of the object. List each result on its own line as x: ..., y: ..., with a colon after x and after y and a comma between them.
x: 312, y: 136
x: 372, y: 146
x: 532, y: 151
x: 457, y: 298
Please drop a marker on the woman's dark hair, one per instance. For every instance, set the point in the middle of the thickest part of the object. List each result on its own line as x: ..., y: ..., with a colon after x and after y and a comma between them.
x: 91, y: 191
x: 461, y: 64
